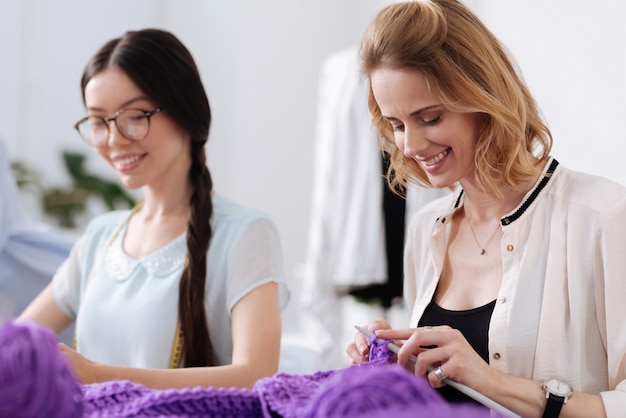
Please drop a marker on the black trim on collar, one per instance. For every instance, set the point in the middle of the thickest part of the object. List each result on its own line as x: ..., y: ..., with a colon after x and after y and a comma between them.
x: 519, y: 212
x: 544, y: 181
x: 458, y: 199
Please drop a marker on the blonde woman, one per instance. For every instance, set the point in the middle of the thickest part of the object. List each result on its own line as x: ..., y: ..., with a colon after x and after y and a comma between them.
x: 516, y: 281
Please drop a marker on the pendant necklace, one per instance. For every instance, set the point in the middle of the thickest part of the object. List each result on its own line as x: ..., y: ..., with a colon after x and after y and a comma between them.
x: 481, y: 249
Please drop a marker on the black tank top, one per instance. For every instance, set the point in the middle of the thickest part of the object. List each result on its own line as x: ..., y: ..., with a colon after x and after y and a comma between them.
x: 473, y: 324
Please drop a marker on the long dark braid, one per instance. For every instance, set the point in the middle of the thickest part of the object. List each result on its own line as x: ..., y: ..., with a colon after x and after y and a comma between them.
x: 162, y: 67
x: 197, y: 342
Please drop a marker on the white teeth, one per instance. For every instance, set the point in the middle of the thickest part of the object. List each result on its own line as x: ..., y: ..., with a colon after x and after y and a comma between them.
x: 437, y: 158
x: 125, y: 161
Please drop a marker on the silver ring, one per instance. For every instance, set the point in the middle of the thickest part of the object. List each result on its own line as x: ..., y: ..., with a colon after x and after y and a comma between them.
x: 440, y: 374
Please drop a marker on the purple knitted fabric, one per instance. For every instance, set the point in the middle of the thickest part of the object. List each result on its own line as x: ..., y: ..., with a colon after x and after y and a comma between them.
x: 35, y: 380
x: 288, y: 395
x: 375, y: 389
x: 123, y: 399
x: 379, y: 352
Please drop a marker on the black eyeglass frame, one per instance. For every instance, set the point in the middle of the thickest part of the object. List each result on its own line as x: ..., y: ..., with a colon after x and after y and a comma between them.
x: 107, y: 121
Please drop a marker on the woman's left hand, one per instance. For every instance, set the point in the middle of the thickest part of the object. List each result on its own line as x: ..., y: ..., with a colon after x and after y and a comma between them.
x: 83, y: 368
x: 445, y: 351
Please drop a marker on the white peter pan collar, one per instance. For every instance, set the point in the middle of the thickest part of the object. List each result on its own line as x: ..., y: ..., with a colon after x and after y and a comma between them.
x: 119, y: 266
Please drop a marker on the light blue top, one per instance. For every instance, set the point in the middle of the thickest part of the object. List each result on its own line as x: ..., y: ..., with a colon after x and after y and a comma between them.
x: 127, y: 312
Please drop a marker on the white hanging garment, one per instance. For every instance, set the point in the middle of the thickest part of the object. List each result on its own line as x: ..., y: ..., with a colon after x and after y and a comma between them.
x: 346, y: 241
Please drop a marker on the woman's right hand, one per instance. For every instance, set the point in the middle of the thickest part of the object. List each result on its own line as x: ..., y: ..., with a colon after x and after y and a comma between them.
x: 358, y: 350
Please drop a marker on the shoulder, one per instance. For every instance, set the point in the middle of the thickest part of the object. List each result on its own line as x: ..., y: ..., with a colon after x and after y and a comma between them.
x: 226, y: 211
x: 231, y: 219
x: 245, y: 242
x: 435, y: 209
x: 107, y: 220
x: 594, y: 192
x: 102, y: 226
x: 424, y: 222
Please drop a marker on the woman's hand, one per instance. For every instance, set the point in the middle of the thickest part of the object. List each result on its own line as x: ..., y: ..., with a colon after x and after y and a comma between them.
x: 359, y: 349
x: 444, y: 351
x: 83, y: 368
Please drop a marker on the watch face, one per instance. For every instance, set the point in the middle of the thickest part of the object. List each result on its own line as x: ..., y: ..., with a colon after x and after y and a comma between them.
x: 558, y: 388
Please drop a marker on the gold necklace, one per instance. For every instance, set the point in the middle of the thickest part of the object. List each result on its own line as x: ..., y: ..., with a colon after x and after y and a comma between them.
x: 481, y: 248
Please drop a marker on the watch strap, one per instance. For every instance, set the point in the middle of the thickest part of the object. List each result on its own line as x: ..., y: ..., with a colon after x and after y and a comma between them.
x: 553, y: 406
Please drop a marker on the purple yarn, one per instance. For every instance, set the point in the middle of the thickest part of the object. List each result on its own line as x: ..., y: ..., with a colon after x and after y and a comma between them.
x: 361, y: 390
x: 366, y: 389
x: 374, y: 391
x: 123, y: 399
x: 287, y: 395
x: 379, y: 351
x: 36, y: 380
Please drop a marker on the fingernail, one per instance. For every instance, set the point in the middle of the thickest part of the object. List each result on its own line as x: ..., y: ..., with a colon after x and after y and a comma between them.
x: 362, y: 349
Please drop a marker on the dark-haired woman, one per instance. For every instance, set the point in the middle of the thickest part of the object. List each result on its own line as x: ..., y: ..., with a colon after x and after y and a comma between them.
x: 185, y: 280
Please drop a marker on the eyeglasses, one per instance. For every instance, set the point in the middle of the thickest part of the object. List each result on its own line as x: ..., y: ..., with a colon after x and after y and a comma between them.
x: 133, y: 124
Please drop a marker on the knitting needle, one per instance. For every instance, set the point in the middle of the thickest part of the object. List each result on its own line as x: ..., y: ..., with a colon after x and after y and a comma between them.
x: 477, y: 396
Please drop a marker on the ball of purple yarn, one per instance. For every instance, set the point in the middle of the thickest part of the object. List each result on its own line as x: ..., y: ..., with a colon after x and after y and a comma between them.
x: 36, y: 380
x: 375, y: 390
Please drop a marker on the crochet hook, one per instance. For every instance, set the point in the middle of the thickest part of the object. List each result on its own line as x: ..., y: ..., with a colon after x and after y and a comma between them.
x: 477, y: 396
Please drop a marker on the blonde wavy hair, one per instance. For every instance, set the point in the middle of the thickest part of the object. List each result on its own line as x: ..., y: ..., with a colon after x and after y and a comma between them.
x: 472, y: 72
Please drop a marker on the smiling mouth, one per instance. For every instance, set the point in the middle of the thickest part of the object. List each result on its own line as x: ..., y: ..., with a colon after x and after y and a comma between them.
x: 434, y: 160
x: 123, y: 162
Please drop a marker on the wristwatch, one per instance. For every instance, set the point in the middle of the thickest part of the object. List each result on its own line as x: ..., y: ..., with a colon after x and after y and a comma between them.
x: 557, y: 393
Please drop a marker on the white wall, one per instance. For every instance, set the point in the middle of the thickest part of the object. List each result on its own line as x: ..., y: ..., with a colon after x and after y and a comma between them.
x: 260, y: 62
x: 572, y: 55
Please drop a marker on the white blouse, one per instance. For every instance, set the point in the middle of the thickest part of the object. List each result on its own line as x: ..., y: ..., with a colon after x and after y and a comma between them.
x: 561, y: 308
x: 126, y: 313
